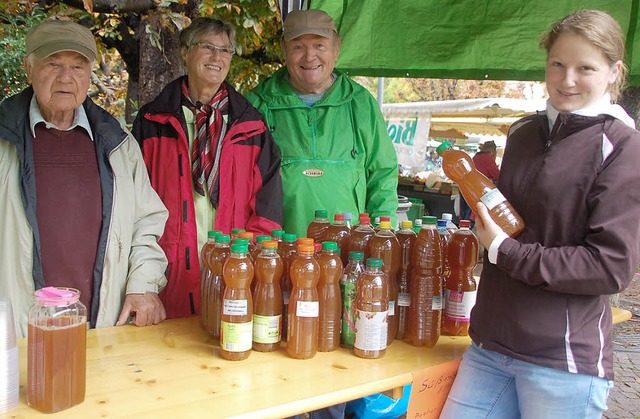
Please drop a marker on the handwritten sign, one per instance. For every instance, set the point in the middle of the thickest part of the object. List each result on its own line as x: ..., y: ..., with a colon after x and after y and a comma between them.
x: 430, y: 389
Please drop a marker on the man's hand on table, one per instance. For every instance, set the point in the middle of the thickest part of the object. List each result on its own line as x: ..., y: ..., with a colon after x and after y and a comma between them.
x: 143, y: 309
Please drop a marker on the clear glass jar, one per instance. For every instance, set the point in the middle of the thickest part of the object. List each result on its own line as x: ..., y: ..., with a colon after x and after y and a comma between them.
x: 56, y: 355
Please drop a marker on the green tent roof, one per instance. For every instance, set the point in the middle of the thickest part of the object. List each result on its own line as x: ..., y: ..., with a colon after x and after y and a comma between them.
x: 466, y: 39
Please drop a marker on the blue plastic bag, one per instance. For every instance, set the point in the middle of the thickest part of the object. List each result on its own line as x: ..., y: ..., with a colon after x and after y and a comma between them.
x: 379, y: 406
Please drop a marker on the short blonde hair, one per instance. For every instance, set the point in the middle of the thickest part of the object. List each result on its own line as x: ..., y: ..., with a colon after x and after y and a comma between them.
x: 601, y: 30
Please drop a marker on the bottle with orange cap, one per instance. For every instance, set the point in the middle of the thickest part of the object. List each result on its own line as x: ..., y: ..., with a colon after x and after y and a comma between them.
x: 304, y: 310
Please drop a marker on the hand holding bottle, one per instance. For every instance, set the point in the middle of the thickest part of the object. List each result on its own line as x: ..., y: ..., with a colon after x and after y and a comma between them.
x: 486, y: 228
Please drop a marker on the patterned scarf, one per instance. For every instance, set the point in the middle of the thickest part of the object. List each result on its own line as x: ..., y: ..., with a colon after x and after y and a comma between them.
x: 207, y: 144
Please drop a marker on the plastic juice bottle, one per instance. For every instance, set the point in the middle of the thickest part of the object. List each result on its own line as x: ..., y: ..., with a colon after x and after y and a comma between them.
x: 361, y: 236
x: 330, y: 301
x: 235, y: 232
x: 450, y: 225
x: 348, y: 290
x: 252, y: 246
x: 372, y: 308
x: 445, y: 236
x: 379, y: 220
x: 417, y: 225
x: 304, y: 309
x: 425, y: 309
x: 213, y: 290
x: 347, y: 218
x: 318, y: 226
x: 206, y: 274
x: 406, y: 237
x: 362, y: 214
x: 258, y: 248
x: 339, y: 232
x: 476, y: 187
x: 237, y: 310
x: 384, y: 245
x: 288, y: 251
x: 56, y: 350
x: 277, y: 235
x: 267, y: 299
x: 460, y: 289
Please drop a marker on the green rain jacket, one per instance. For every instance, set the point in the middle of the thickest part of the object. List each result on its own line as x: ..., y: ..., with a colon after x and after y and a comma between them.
x: 336, y: 154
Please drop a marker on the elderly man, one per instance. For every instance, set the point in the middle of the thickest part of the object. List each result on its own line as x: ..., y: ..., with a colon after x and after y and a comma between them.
x: 336, y: 153
x: 76, y: 206
x: 210, y: 157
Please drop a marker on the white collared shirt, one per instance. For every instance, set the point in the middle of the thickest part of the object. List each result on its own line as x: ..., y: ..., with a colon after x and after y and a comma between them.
x: 79, y: 120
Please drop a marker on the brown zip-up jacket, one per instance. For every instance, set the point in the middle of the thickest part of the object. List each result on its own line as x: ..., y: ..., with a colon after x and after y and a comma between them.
x: 546, y: 300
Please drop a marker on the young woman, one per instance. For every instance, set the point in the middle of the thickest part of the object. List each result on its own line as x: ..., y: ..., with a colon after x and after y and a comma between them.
x: 541, y: 326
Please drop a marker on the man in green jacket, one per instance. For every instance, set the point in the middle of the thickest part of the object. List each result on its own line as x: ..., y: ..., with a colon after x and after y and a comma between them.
x: 336, y: 153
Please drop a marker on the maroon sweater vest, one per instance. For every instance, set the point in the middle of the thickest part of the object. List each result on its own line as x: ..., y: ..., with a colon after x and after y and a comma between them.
x: 69, y: 207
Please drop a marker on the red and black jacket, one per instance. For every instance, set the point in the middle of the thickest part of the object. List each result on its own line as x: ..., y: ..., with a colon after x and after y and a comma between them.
x: 249, y: 185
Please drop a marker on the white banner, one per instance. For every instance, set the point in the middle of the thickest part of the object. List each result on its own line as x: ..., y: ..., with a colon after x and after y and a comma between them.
x: 410, y: 136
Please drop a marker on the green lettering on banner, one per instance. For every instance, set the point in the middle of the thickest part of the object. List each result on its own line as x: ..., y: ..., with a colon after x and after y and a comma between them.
x: 402, y: 131
x: 410, y: 132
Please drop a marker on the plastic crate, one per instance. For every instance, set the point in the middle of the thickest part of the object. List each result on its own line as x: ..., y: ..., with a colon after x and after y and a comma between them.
x: 416, y: 210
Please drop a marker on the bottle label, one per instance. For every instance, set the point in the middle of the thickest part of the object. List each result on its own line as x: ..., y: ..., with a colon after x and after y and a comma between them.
x: 235, y: 307
x: 266, y: 329
x: 348, y: 333
x: 371, y: 330
x: 404, y: 299
x: 436, y: 302
x: 308, y: 309
x: 392, y: 308
x: 236, y: 337
x: 493, y: 198
x: 459, y: 304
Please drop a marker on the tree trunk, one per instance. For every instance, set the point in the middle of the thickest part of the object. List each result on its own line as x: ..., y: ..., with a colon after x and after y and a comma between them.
x: 157, y: 68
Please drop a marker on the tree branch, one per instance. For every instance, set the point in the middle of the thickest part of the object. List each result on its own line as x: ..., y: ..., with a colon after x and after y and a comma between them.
x: 114, y: 6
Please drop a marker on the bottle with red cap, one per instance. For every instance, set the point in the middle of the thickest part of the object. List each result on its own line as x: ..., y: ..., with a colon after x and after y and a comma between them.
x: 361, y: 235
x: 330, y: 301
x: 267, y: 299
x: 236, y: 334
x: 339, y: 232
x: 384, y: 245
x: 372, y: 311
x: 425, y: 309
x: 318, y: 226
x: 476, y: 187
x: 460, y: 290
x: 406, y: 238
x: 304, y: 310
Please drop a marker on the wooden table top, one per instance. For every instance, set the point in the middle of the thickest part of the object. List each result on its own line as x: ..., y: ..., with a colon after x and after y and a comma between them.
x: 174, y: 370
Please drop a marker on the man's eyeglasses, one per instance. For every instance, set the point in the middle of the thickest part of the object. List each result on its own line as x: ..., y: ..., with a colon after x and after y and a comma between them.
x: 212, y: 49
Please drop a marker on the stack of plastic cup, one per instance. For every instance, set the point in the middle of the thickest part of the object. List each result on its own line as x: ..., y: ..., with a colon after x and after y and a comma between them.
x: 9, y: 368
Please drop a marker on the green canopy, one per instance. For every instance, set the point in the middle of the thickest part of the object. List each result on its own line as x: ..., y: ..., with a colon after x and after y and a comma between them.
x: 466, y: 39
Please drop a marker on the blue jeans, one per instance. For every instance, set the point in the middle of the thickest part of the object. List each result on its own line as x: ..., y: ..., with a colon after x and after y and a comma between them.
x: 491, y: 385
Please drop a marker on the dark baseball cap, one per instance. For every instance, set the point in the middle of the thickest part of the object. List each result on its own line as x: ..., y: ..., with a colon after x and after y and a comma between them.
x: 304, y: 22
x: 54, y: 36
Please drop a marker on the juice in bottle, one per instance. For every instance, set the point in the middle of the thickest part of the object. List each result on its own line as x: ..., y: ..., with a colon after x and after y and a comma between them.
x: 406, y: 237
x: 206, y: 274
x: 339, y: 232
x: 361, y: 235
x: 445, y: 236
x: 318, y: 226
x: 213, y: 287
x: 330, y: 302
x: 267, y: 299
x: 288, y: 251
x: 304, y: 309
x: 56, y: 350
x: 348, y: 291
x: 476, y: 187
x: 460, y: 288
x: 372, y: 308
x: 425, y: 309
x: 258, y: 248
x: 236, y: 333
x: 384, y: 245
